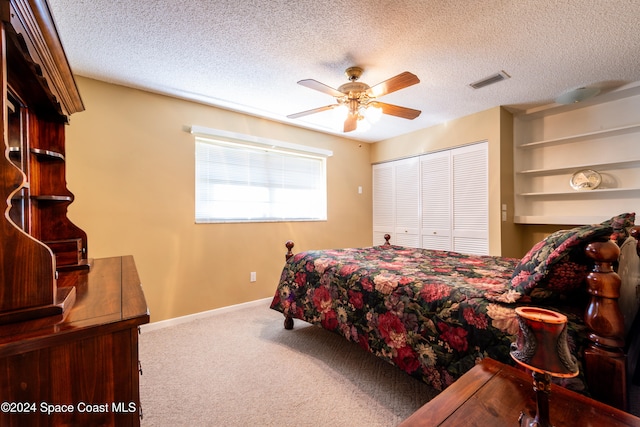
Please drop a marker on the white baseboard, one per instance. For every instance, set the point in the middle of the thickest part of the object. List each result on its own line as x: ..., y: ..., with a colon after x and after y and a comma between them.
x: 191, y: 317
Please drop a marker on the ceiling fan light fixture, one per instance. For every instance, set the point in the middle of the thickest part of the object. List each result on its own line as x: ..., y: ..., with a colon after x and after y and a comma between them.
x: 577, y: 95
x: 363, y: 126
x: 372, y: 113
x: 340, y: 114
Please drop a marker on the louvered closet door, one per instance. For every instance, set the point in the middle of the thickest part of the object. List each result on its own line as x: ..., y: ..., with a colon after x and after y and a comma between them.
x: 407, y: 203
x: 470, y: 199
x: 435, y: 175
x: 383, y: 202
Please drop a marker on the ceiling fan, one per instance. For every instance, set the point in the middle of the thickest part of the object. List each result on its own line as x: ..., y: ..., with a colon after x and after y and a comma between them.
x: 359, y: 100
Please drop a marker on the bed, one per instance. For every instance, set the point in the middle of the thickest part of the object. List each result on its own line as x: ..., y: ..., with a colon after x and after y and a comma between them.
x: 435, y: 314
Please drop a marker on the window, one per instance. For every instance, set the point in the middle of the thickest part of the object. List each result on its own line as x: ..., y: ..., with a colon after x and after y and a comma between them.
x: 245, y: 182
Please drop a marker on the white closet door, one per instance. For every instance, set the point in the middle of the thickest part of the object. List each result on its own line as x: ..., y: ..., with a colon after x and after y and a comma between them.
x: 435, y: 201
x: 407, y: 203
x: 470, y: 199
x: 435, y: 174
x: 383, y: 202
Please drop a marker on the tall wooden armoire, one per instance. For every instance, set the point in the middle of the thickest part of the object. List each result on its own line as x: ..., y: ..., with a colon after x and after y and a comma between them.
x: 68, y: 324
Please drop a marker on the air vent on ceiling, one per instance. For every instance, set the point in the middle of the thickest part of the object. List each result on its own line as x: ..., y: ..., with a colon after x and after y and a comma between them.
x: 495, y: 78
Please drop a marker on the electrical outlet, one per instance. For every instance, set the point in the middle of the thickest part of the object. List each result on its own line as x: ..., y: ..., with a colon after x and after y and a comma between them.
x: 252, y: 278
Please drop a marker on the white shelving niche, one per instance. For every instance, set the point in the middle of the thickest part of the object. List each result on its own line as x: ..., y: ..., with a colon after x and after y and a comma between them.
x: 552, y: 144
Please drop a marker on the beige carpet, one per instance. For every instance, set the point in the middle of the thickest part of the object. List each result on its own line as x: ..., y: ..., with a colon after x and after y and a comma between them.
x: 242, y: 368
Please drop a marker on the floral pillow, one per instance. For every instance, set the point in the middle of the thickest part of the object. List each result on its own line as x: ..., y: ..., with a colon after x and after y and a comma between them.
x: 620, y: 225
x: 553, y: 266
x: 563, y: 278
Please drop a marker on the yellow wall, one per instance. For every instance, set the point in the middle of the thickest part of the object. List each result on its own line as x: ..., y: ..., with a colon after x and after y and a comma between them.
x: 130, y: 164
x: 495, y: 126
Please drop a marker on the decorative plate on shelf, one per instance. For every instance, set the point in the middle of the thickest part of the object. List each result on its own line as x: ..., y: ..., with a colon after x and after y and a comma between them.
x: 585, y: 179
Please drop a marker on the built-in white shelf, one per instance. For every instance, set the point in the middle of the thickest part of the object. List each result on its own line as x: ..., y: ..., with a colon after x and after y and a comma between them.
x: 573, y: 168
x: 560, y: 220
x: 587, y: 193
x: 551, y: 144
x: 587, y: 135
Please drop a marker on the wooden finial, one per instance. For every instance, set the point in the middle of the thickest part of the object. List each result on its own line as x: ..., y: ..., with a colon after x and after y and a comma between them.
x: 289, y: 244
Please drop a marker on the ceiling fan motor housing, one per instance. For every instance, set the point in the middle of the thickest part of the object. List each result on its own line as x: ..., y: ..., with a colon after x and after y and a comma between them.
x: 353, y: 73
x: 355, y: 88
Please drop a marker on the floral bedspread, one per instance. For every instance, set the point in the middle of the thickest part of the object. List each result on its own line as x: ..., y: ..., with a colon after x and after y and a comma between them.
x: 434, y: 314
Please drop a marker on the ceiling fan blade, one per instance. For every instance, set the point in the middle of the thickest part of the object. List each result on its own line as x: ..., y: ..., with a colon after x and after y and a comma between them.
x: 316, y: 85
x: 315, y: 110
x: 393, y: 84
x: 351, y: 123
x: 394, y: 110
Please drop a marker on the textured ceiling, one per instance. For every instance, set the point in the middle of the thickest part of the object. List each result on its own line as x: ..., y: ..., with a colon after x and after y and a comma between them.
x: 247, y: 55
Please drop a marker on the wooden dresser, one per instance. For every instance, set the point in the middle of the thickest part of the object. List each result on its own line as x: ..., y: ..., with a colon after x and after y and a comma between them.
x: 68, y: 324
x: 79, y: 368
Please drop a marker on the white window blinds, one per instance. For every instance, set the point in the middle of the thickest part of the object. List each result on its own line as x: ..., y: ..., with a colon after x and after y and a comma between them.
x: 238, y: 182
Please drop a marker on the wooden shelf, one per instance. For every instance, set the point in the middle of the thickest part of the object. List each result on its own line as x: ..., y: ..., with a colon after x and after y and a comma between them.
x: 84, y: 264
x: 53, y: 198
x: 47, y: 154
x: 65, y: 297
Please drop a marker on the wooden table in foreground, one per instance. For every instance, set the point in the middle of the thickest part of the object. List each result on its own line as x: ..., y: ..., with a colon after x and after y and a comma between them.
x: 80, y: 368
x: 494, y: 394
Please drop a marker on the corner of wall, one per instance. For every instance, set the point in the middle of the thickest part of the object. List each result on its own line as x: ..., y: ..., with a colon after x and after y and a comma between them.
x: 511, y: 235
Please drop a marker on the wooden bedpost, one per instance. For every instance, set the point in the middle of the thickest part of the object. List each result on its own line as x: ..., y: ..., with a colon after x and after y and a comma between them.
x: 605, y: 361
x: 289, y: 244
x: 387, y: 237
x: 288, y: 320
